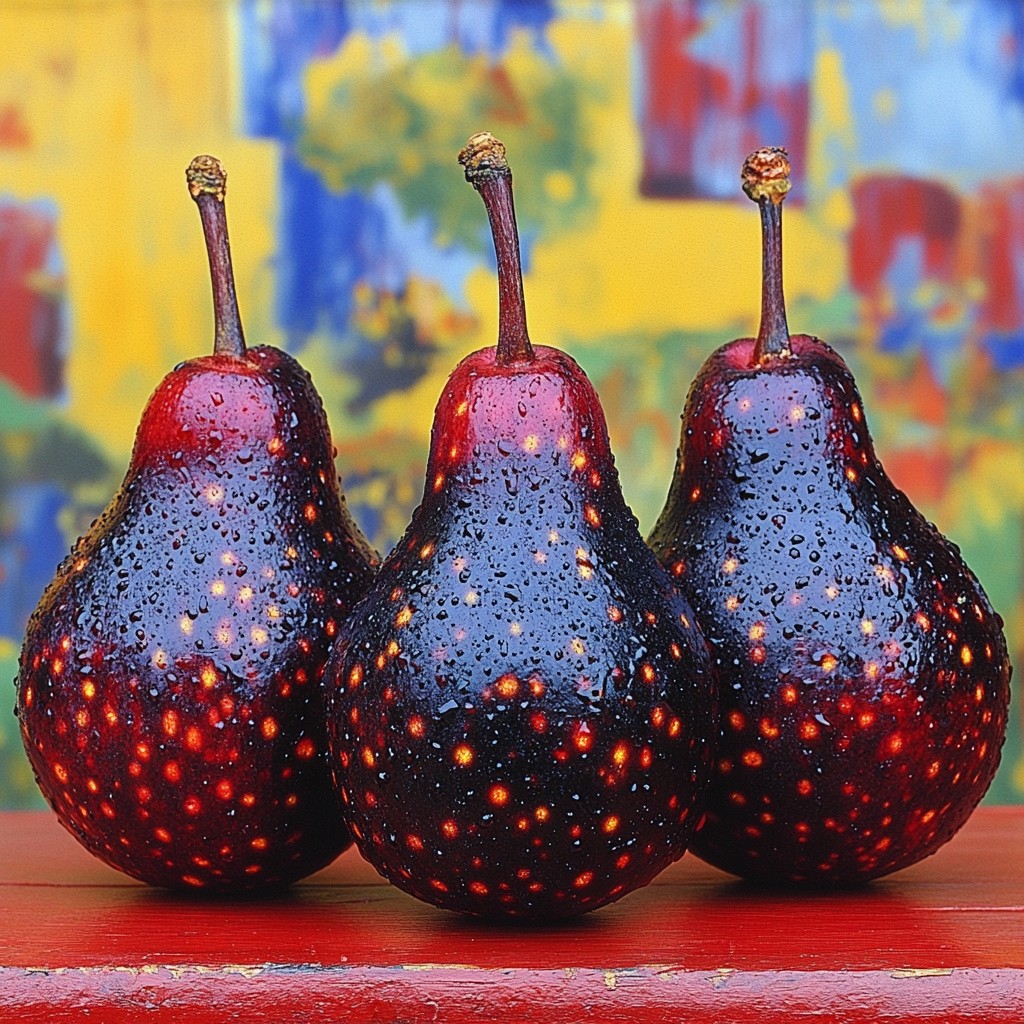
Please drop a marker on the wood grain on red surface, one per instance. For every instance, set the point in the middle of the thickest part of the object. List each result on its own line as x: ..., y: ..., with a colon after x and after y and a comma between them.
x: 940, y: 942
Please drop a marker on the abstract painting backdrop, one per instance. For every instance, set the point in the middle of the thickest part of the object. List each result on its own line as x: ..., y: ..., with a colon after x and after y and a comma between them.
x: 361, y: 250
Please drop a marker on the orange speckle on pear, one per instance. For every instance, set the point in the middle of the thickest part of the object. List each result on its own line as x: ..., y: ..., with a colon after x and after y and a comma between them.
x: 809, y: 730
x: 463, y: 755
x: 507, y: 686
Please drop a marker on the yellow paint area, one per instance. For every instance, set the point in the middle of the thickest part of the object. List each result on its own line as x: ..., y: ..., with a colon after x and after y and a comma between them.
x: 115, y: 105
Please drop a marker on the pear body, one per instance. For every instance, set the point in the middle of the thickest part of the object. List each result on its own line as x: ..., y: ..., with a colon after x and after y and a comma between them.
x: 521, y: 709
x: 169, y: 686
x: 864, y: 674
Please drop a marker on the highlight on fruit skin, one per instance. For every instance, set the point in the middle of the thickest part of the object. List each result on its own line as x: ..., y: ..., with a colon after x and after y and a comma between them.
x: 168, y: 689
x: 520, y: 711
x: 864, y: 674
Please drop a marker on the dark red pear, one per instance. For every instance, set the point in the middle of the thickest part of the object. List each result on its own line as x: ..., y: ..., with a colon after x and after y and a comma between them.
x: 170, y: 684
x: 863, y: 672
x: 521, y: 709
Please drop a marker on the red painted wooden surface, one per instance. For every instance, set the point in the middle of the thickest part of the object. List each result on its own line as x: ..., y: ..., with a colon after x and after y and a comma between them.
x: 940, y: 942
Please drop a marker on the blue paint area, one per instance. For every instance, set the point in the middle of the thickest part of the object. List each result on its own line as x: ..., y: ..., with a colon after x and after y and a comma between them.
x: 936, y: 93
x: 277, y: 42
x: 926, y: 323
x: 31, y: 546
x: 484, y: 26
x: 322, y: 254
x: 1005, y: 349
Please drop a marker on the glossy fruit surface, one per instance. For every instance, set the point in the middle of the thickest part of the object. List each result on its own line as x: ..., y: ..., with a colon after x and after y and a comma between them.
x: 521, y: 709
x: 863, y: 672
x: 169, y: 691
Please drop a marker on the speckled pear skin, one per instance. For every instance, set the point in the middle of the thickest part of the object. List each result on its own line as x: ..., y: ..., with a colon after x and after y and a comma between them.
x: 169, y: 692
x: 864, y: 674
x: 521, y: 710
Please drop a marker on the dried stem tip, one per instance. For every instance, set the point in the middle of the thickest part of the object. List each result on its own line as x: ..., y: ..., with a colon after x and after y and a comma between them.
x: 207, y: 184
x: 488, y: 172
x: 483, y: 157
x: 206, y: 177
x: 766, y: 174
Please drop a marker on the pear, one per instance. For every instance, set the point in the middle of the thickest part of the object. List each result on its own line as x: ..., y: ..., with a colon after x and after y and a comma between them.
x: 863, y: 672
x: 521, y: 709
x: 170, y: 682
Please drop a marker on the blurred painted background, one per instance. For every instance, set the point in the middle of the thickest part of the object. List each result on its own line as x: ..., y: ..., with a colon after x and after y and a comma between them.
x: 360, y: 249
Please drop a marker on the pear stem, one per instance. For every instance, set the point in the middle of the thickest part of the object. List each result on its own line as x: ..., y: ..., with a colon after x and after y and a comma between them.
x: 207, y: 182
x: 766, y: 181
x: 488, y: 172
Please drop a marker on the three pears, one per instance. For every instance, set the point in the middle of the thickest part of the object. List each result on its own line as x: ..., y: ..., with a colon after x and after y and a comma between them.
x: 520, y: 711
x: 863, y: 673
x: 169, y: 685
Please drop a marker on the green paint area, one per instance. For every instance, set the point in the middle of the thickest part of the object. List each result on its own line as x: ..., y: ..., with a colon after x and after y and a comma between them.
x: 36, y: 444
x: 402, y: 120
x: 17, y: 786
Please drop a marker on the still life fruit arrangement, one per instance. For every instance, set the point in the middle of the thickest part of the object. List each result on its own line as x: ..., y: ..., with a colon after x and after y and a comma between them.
x: 524, y: 711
